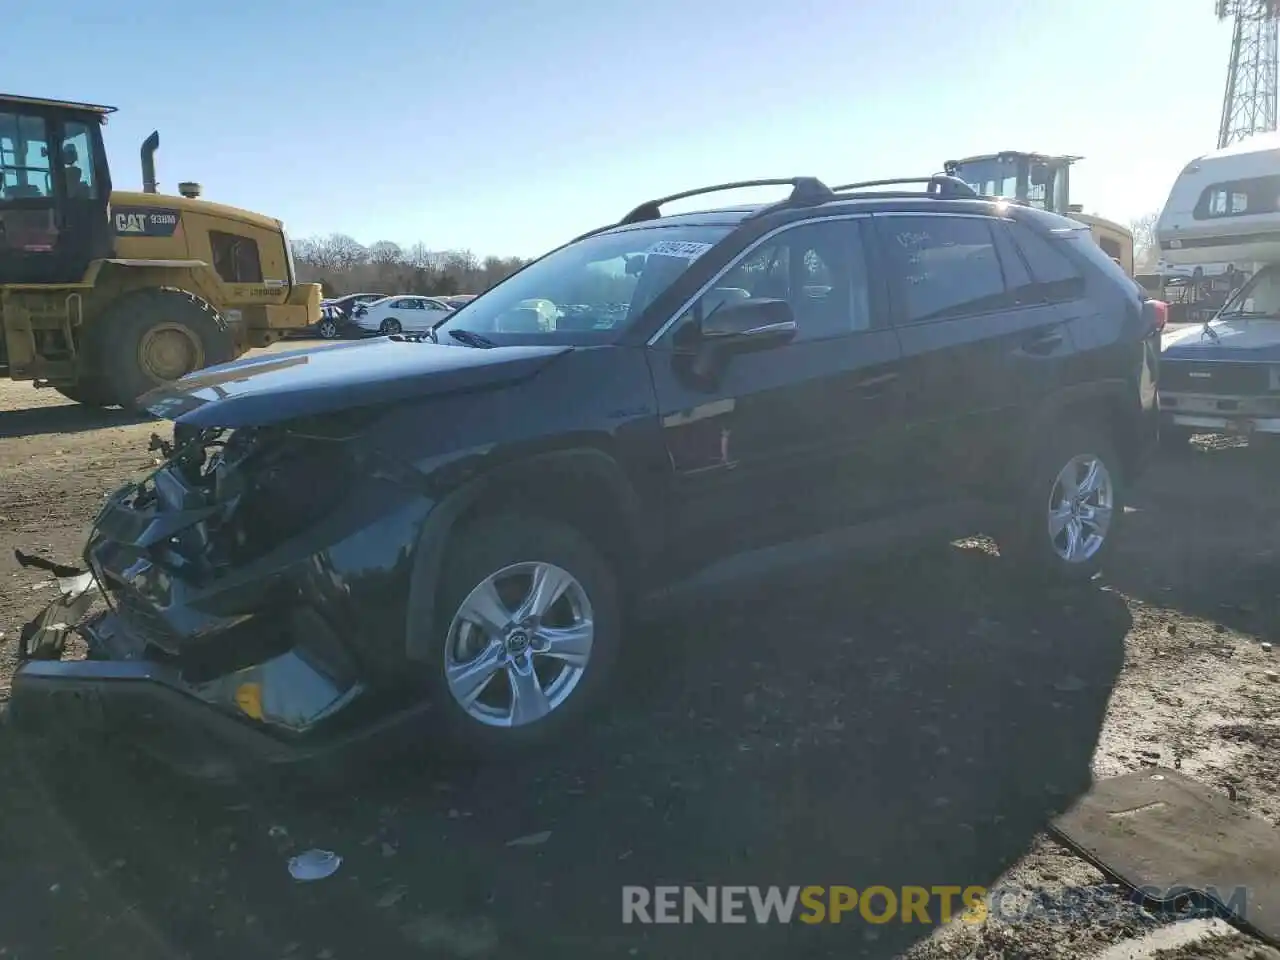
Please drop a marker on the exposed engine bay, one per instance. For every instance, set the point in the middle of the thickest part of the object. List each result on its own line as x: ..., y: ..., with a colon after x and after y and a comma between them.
x: 225, y: 497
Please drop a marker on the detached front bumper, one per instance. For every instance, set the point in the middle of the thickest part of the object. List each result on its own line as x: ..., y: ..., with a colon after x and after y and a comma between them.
x: 257, y: 715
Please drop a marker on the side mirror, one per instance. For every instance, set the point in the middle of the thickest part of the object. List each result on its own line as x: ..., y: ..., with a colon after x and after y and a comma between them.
x: 635, y: 264
x: 740, y: 327
x: 749, y: 325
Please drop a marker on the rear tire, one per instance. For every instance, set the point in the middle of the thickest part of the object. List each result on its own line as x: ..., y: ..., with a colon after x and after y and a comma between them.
x: 1040, y: 540
x: 149, y: 338
x: 501, y: 544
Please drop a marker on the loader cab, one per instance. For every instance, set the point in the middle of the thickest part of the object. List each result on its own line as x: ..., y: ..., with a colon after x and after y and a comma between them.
x: 1032, y: 179
x: 55, y: 188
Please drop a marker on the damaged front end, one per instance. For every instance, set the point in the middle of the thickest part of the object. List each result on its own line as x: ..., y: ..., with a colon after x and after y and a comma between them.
x: 221, y: 608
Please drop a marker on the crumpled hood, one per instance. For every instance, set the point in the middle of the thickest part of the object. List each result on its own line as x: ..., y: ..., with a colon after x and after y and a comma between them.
x: 299, y: 383
x: 1257, y: 340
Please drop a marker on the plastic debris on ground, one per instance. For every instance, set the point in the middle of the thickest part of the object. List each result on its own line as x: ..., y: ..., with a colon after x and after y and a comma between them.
x: 314, y: 865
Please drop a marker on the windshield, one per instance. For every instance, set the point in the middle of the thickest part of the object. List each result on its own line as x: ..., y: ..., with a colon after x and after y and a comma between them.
x: 991, y: 176
x: 587, y: 291
x: 1038, y: 183
x: 1260, y: 297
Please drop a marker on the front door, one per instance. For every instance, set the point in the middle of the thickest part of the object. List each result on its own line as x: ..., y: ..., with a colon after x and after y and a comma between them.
x: 29, y: 221
x: 786, y: 442
x: 52, y: 197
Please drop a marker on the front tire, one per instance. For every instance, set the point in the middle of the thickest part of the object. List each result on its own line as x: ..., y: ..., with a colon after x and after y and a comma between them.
x: 528, y: 634
x: 149, y: 338
x: 1067, y: 516
x: 390, y: 326
x: 328, y: 329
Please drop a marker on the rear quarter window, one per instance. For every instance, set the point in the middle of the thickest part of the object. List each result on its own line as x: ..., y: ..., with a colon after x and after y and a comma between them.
x: 1054, y: 273
x: 1080, y: 242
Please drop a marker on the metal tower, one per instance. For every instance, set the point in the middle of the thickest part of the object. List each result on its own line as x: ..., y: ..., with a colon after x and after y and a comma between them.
x: 1249, y: 104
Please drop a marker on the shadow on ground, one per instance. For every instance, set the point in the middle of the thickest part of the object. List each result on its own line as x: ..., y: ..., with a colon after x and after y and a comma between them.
x: 63, y: 418
x: 1214, y: 510
x: 907, y: 724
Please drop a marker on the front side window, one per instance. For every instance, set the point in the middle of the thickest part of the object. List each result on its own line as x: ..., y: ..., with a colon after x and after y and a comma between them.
x: 943, y: 267
x: 587, y: 291
x: 77, y: 161
x: 1045, y: 185
x: 25, y: 170
x: 818, y: 268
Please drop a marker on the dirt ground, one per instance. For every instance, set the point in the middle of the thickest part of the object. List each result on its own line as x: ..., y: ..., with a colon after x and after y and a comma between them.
x: 914, y: 720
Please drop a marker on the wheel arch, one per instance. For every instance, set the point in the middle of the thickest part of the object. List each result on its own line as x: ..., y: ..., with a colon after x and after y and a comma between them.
x: 582, y: 486
x: 1110, y: 405
x: 112, y: 279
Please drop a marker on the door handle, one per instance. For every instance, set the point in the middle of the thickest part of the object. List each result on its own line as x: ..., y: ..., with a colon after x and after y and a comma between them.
x: 1043, y: 343
x: 875, y: 386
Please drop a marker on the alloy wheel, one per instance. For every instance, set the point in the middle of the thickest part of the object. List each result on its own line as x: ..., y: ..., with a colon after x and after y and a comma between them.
x: 519, y: 644
x: 1080, y: 508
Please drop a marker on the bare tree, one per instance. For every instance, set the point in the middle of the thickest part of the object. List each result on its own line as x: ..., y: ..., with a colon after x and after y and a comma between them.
x: 1146, y: 251
x: 344, y: 266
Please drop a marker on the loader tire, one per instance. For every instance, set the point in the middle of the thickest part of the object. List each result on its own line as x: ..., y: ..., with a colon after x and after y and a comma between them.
x: 151, y: 337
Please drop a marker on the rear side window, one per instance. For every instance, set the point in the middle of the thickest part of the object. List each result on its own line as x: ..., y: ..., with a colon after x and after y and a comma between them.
x: 943, y: 267
x: 1053, y: 273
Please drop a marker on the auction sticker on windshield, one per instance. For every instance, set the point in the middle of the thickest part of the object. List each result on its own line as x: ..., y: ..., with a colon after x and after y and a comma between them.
x: 687, y: 249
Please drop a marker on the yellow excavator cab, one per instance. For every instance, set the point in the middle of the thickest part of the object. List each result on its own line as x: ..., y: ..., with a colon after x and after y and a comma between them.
x: 1042, y: 181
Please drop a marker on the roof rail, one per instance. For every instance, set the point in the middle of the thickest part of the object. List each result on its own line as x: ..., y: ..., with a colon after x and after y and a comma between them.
x: 939, y: 185
x: 803, y: 190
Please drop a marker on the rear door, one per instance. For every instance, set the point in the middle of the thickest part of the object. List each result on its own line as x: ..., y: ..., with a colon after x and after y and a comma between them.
x: 982, y: 341
x: 790, y: 441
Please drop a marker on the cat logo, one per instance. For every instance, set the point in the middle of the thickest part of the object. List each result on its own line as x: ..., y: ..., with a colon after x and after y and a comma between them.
x: 144, y: 222
x: 131, y: 223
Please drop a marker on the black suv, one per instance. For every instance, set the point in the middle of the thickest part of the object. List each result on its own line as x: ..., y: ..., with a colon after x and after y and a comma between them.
x: 455, y: 523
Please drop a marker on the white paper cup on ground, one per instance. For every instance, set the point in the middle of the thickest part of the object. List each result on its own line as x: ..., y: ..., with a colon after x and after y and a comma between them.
x: 314, y: 865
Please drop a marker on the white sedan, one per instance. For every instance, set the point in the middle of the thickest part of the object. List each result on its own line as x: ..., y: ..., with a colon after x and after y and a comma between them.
x: 394, y: 314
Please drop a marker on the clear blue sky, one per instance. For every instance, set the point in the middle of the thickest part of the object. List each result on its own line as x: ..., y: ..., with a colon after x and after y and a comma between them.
x: 508, y: 127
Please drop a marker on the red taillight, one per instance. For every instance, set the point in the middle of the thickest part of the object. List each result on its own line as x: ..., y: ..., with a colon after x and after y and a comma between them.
x: 1158, y: 312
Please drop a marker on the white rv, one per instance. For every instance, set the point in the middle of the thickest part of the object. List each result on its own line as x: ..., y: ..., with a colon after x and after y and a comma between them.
x: 1225, y: 209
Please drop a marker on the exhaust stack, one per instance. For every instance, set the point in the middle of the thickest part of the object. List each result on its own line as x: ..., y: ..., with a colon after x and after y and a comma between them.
x: 149, y: 147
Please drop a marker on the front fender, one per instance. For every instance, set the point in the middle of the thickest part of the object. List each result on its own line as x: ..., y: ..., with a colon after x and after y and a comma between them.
x: 589, y: 462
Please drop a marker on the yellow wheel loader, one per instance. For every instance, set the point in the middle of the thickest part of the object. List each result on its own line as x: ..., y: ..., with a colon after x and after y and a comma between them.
x: 105, y: 294
x: 1041, y: 181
